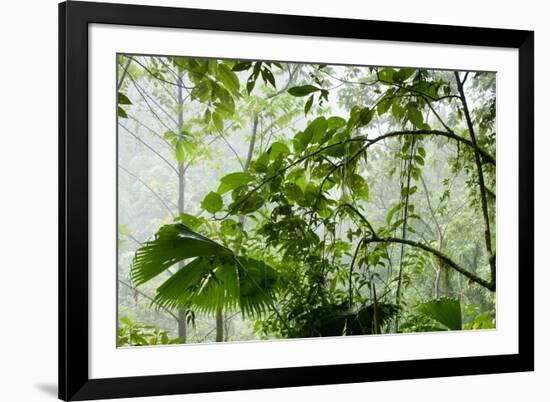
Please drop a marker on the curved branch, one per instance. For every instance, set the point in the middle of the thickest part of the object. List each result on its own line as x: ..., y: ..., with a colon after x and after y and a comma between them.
x: 486, y: 156
x: 370, y: 142
x: 420, y: 93
x: 447, y: 260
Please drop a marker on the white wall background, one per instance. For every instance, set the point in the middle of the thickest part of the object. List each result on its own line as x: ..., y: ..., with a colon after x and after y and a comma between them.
x: 28, y: 201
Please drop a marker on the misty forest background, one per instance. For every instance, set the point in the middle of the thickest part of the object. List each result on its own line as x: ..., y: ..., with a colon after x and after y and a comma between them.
x: 262, y: 200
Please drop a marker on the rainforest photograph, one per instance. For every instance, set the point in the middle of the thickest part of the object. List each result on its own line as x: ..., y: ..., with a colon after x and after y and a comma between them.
x: 268, y: 200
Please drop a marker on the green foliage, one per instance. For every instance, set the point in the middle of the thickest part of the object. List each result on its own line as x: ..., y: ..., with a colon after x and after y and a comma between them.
x: 445, y: 311
x: 216, y: 279
x: 303, y: 90
x: 331, y: 224
x: 172, y: 244
x: 415, y: 116
x: 211, y: 284
x: 386, y: 75
x: 122, y: 113
x: 213, y: 202
x: 131, y: 333
x: 228, y: 78
x: 123, y: 99
x: 335, y: 320
x: 232, y: 181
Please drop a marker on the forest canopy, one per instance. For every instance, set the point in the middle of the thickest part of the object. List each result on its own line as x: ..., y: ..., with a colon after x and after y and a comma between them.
x: 269, y: 200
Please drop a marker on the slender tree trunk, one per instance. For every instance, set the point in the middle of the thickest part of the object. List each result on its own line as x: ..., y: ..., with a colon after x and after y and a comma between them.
x: 219, y: 326
x: 440, y: 239
x: 436, y: 282
x: 182, y: 312
x: 220, y: 323
x: 481, y: 180
x: 404, y: 235
x: 375, y: 320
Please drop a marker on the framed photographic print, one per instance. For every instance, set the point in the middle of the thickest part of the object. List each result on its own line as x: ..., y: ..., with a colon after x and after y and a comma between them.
x: 258, y: 200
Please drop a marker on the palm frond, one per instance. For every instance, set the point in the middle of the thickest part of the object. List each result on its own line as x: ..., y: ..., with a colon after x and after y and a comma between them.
x: 172, y: 243
x: 444, y: 310
x: 209, y: 284
x: 214, y: 279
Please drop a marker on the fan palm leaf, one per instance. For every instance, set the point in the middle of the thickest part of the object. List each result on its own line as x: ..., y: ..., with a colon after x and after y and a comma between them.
x: 214, y: 279
x: 172, y: 243
x: 444, y: 310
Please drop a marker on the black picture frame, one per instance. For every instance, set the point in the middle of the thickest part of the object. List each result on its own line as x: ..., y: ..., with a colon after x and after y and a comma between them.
x: 74, y: 381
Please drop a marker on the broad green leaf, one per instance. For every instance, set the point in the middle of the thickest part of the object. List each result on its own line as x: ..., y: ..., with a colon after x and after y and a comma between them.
x: 242, y: 66
x: 207, y: 116
x: 365, y: 116
x: 335, y: 122
x: 278, y: 148
x: 247, y: 204
x: 297, y: 175
x: 397, y: 110
x: 383, y: 106
x: 225, y: 104
x: 386, y: 75
x: 122, y: 113
x: 268, y: 77
x: 201, y: 92
x: 402, y: 74
x: 218, y: 121
x: 226, y: 107
x: 250, y: 83
x: 303, y: 90
x: 228, y: 77
x: 260, y: 165
x: 233, y: 180
x: 172, y: 243
x: 308, y: 104
x: 421, y: 151
x: 354, y: 116
x: 430, y: 89
x: 444, y: 310
x: 212, y: 66
x: 415, y: 116
x: 293, y: 191
x: 180, y: 152
x: 316, y: 130
x: 213, y: 202
x: 123, y: 99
